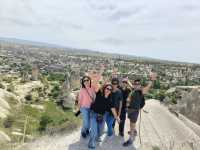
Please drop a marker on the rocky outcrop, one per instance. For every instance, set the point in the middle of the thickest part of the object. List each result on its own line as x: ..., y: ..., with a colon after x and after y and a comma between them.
x: 188, y: 102
x: 4, y: 138
x: 69, y: 100
x: 189, y: 105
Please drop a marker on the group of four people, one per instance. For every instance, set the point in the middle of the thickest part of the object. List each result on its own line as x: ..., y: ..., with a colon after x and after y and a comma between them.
x: 110, y: 104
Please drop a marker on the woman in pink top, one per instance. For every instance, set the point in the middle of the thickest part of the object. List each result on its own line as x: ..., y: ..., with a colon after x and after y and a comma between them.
x: 86, y: 97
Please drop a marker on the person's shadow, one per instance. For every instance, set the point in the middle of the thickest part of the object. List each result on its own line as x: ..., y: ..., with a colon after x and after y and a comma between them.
x: 114, y: 143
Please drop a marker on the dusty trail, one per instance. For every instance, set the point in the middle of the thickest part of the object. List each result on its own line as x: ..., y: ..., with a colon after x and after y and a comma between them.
x: 158, y: 128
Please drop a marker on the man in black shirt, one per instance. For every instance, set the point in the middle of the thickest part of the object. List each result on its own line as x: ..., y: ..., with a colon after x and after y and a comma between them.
x: 125, y: 93
x: 116, y: 97
x: 135, y: 103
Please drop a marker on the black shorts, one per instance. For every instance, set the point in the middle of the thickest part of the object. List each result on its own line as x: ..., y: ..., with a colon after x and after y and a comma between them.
x: 133, y: 115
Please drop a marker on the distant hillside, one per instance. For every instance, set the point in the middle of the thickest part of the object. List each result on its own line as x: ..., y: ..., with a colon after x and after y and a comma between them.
x: 87, y: 51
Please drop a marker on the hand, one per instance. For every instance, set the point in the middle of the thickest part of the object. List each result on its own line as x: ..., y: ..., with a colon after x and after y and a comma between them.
x: 118, y: 120
x: 153, y: 76
x: 77, y: 113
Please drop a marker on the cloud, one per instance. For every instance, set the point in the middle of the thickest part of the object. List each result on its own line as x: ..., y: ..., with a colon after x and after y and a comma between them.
x: 162, y: 29
x: 112, y: 41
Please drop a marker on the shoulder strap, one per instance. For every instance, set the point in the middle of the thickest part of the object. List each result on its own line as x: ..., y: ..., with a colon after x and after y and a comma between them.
x: 92, y: 98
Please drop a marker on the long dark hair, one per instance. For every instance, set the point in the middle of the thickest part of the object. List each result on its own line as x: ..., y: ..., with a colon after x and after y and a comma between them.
x: 104, y: 87
x: 82, y: 81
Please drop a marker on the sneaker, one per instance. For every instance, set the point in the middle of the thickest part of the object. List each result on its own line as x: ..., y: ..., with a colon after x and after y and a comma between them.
x: 91, y: 147
x: 128, y: 143
x: 87, y: 132
x: 84, y: 135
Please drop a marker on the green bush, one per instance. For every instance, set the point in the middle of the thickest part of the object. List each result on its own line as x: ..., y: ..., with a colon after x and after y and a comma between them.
x: 56, y: 77
x: 44, y: 121
x: 55, y: 91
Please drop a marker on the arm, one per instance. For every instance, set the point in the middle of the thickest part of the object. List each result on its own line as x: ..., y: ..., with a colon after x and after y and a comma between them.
x: 120, y: 108
x: 128, y: 100
x: 120, y: 104
x: 79, y: 96
x: 146, y: 89
x: 130, y: 84
x: 114, y: 112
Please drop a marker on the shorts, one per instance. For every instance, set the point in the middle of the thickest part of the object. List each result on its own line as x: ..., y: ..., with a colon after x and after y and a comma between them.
x: 133, y: 115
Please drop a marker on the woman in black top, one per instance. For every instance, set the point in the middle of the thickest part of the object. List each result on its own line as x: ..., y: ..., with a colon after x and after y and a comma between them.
x: 101, y: 104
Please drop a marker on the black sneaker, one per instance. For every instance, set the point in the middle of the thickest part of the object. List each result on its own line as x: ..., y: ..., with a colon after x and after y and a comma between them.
x: 87, y: 132
x: 84, y: 135
x: 128, y: 143
x: 91, y: 147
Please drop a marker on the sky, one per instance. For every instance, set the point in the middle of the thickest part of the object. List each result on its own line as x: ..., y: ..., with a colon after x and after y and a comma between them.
x: 167, y: 29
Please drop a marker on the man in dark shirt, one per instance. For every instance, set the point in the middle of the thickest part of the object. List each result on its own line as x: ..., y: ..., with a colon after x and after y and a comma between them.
x: 117, y: 97
x: 125, y: 93
x: 135, y: 102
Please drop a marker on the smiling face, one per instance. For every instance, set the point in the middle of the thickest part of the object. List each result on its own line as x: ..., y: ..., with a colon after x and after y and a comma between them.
x: 124, y: 84
x: 108, y: 90
x: 137, y: 85
x: 86, y: 82
x: 114, y: 85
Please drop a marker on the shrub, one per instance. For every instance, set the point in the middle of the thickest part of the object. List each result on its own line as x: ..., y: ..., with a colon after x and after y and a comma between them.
x: 56, y: 77
x: 44, y: 121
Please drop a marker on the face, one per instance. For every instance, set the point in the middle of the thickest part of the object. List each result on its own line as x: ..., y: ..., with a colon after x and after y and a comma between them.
x: 114, y: 85
x: 108, y: 90
x: 124, y: 84
x: 137, y: 85
x: 86, y: 82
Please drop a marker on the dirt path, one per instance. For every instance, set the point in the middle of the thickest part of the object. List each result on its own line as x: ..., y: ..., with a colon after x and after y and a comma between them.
x: 158, y: 128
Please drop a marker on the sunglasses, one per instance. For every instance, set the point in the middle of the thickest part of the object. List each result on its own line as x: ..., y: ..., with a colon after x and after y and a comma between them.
x: 109, y: 89
x: 114, y: 83
x: 124, y: 82
x: 86, y: 80
x: 136, y: 84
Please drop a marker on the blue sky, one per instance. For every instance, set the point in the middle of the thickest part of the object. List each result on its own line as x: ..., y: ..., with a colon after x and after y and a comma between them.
x: 167, y: 29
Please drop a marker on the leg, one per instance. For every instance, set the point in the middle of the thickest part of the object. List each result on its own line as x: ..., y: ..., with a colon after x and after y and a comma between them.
x: 113, y: 125
x: 93, y: 131
x: 122, y: 123
x: 133, y: 119
x: 109, y: 122
x: 132, y: 128
x: 86, y: 121
x: 100, y: 128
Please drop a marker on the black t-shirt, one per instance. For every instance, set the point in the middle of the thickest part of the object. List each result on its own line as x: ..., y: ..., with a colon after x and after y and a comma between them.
x: 125, y: 94
x: 117, y: 98
x: 137, y: 98
x: 102, y: 104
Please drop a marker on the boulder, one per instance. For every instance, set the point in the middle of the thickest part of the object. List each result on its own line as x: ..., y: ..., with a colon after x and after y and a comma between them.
x: 69, y: 100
